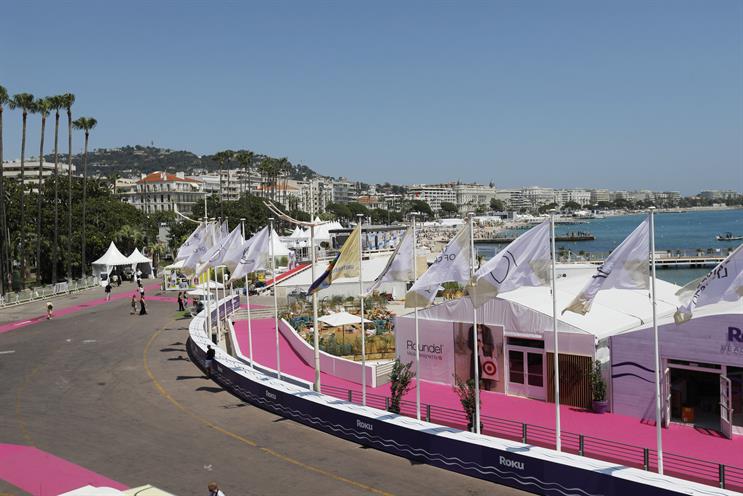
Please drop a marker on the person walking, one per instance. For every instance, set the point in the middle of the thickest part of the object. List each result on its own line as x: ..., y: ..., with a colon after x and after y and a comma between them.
x: 49, y: 310
x: 134, y: 305
x: 108, y: 291
x: 142, y: 306
x: 209, y: 362
x: 180, y: 302
x: 214, y: 489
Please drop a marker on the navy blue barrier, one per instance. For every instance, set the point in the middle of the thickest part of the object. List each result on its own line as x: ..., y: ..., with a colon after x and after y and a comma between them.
x: 520, y: 466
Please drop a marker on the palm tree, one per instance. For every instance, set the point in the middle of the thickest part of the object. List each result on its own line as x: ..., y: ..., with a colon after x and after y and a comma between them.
x: 86, y: 124
x: 4, y: 258
x: 67, y: 100
x: 25, y: 102
x: 42, y: 107
x: 245, y: 159
x: 221, y: 158
x: 56, y: 103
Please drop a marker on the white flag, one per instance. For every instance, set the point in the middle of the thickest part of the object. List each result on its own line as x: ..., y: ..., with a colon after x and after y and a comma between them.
x: 194, y: 240
x: 234, y: 252
x: 453, y: 264
x: 524, y: 262
x: 626, y: 268
x: 199, y: 251
x: 723, y: 283
x: 213, y: 256
x: 255, y: 255
x: 400, y: 265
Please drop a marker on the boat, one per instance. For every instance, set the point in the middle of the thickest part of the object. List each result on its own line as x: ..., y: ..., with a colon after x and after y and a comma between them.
x: 728, y: 236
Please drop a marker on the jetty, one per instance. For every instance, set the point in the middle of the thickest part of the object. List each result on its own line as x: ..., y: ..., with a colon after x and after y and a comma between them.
x: 568, y: 237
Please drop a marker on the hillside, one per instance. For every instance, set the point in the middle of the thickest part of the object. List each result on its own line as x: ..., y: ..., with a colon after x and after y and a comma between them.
x: 137, y: 158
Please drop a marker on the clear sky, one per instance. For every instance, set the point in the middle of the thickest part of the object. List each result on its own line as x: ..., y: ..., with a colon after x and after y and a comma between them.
x: 623, y: 94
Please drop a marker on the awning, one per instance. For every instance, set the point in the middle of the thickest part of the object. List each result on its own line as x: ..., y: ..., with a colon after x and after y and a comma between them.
x: 341, y: 319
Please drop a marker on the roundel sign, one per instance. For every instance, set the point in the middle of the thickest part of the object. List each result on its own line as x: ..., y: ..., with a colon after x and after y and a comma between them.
x: 489, y: 369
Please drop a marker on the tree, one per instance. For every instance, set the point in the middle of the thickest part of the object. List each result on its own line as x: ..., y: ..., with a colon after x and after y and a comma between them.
x: 546, y: 208
x: 466, y: 392
x: 25, y: 102
x: 245, y: 159
x: 340, y: 210
x: 4, y: 254
x: 86, y: 124
x: 42, y: 107
x: 357, y: 208
x: 449, y: 208
x: 497, y: 205
x: 401, y: 378
x: 422, y: 207
x: 67, y: 100
x: 56, y: 103
x: 571, y: 206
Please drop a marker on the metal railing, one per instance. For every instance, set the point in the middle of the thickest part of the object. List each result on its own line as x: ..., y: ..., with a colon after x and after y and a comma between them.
x: 47, y: 291
x: 683, y: 467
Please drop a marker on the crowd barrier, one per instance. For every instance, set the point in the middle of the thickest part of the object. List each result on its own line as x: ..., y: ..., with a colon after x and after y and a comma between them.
x: 47, y: 291
x: 524, y: 466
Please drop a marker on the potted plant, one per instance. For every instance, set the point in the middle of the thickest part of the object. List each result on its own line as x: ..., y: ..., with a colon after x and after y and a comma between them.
x: 466, y: 392
x: 598, y: 389
x: 400, y: 383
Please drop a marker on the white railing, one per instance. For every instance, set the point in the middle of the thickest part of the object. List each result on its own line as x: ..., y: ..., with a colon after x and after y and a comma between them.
x: 47, y: 291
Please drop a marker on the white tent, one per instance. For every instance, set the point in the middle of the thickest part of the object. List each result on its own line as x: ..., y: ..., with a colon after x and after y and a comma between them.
x: 298, y: 233
x: 136, y: 258
x: 279, y: 248
x: 339, y: 319
x: 210, y: 285
x: 112, y: 258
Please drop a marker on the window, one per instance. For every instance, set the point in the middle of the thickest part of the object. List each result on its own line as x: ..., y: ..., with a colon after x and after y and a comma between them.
x: 526, y: 343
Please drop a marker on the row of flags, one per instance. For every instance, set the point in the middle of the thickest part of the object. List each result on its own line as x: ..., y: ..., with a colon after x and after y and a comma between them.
x: 211, y: 245
x: 527, y: 262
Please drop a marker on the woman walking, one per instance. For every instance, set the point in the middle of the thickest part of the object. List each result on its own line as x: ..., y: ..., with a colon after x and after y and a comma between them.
x: 142, y: 307
x: 134, y: 305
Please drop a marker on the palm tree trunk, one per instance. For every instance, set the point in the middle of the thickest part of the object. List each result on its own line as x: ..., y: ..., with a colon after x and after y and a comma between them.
x: 85, y: 196
x: 4, y: 258
x: 221, y: 198
x: 38, y: 200
x: 22, y: 225
x: 228, y: 178
x: 56, y: 198
x: 247, y: 170
x: 69, y: 194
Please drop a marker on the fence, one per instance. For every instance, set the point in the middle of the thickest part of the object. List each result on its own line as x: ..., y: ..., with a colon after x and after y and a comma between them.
x: 683, y: 467
x: 47, y: 291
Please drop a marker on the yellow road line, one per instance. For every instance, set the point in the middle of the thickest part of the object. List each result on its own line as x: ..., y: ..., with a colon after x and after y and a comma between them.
x: 163, y: 392
x: 18, y: 415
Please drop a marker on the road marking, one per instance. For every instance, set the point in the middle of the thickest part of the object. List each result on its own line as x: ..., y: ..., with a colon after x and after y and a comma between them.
x: 7, y: 352
x: 21, y: 323
x: 165, y: 394
x: 88, y: 340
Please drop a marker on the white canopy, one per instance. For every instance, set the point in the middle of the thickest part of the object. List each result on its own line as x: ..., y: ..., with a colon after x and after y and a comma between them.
x: 112, y: 258
x: 341, y: 318
x: 211, y: 285
x: 279, y: 248
x: 136, y: 257
x: 176, y: 266
x: 298, y: 233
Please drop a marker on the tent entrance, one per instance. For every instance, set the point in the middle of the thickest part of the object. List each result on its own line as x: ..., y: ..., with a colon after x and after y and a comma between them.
x: 695, y: 397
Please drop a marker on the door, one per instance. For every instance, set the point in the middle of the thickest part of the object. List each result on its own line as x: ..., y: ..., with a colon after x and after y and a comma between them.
x: 526, y: 373
x: 666, y: 396
x: 726, y: 411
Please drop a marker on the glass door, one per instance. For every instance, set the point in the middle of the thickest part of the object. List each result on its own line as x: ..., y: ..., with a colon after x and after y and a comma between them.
x: 526, y: 372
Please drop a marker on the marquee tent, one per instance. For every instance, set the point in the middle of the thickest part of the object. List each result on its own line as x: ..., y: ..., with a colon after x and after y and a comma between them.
x: 339, y: 319
x: 112, y: 258
x: 137, y: 260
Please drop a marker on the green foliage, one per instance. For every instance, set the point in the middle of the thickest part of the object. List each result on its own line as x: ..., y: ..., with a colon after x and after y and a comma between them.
x: 400, y: 383
x: 598, y: 386
x: 419, y: 206
x: 449, y: 208
x: 497, y: 205
x: 382, y: 216
x: 338, y: 210
x: 466, y: 392
x: 357, y: 208
x: 546, y: 208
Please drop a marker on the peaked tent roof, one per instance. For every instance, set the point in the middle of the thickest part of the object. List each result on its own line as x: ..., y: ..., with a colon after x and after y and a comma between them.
x: 136, y: 257
x: 112, y: 257
x: 341, y: 318
x: 298, y: 233
x: 279, y: 248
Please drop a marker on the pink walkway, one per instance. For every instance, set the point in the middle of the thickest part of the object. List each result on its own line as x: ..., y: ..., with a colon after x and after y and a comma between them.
x: 43, y: 474
x: 678, y: 439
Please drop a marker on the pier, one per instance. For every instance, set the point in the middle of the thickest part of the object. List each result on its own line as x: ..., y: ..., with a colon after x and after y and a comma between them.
x: 569, y: 237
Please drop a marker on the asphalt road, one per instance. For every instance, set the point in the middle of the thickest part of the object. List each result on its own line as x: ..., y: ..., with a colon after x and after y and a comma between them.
x: 117, y: 394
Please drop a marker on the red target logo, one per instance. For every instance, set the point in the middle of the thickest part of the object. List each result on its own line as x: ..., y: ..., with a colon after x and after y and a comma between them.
x: 489, y: 369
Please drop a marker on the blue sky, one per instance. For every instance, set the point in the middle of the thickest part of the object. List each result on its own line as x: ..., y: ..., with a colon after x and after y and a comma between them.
x: 624, y: 95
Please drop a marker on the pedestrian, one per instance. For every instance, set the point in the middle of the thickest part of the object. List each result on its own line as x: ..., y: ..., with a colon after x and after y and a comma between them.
x: 142, y: 307
x: 134, y: 305
x: 108, y: 291
x: 214, y: 489
x: 180, y: 302
x: 209, y: 362
x: 49, y: 310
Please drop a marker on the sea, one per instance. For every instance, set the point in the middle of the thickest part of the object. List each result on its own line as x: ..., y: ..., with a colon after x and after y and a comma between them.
x: 687, y: 231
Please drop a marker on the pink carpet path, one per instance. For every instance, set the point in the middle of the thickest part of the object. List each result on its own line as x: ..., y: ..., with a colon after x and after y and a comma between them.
x: 43, y: 474
x: 678, y: 439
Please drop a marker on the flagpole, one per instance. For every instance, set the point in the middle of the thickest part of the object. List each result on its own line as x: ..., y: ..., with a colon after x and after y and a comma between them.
x: 556, y: 355
x: 247, y: 298
x: 315, y: 330
x: 475, y: 350
x: 658, y: 426
x: 417, y: 337
x: 361, y: 299
x: 275, y: 300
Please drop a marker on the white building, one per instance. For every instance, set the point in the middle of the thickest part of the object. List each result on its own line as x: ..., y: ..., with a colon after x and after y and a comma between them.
x: 164, y: 192
x: 470, y: 197
x: 538, y: 196
x: 343, y: 191
x: 577, y: 195
x: 433, y: 194
x: 12, y: 170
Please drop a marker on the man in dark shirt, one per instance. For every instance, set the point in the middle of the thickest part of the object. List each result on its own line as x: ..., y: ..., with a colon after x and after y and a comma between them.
x: 209, y: 363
